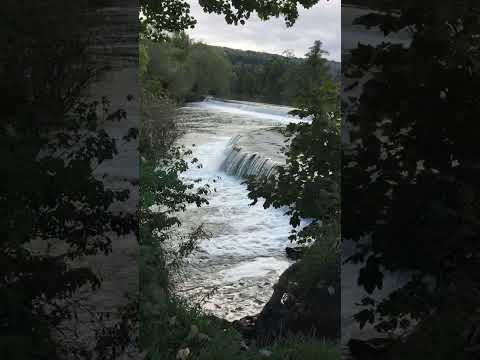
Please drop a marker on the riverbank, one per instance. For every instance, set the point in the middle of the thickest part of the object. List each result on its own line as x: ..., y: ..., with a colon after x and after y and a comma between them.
x: 235, y: 271
x: 243, y: 270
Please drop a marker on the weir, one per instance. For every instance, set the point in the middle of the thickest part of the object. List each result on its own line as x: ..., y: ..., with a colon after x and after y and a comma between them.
x: 258, y: 108
x: 241, y: 163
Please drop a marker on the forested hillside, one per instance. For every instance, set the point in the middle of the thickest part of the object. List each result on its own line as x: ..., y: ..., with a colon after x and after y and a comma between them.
x: 270, y: 78
x: 189, y: 70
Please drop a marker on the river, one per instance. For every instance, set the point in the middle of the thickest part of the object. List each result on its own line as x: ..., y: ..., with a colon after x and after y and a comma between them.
x: 234, y: 270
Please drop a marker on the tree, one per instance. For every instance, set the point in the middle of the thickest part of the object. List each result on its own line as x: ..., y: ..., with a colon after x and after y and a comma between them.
x: 410, y: 171
x: 54, y: 211
x: 213, y: 71
x: 273, y: 76
x: 185, y: 70
x: 163, y: 194
x: 313, y: 162
x: 309, y: 77
x: 308, y: 185
x: 162, y: 16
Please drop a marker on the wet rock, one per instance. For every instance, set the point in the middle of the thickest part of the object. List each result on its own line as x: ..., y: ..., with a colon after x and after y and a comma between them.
x: 293, y: 309
x: 294, y: 253
x: 183, y: 354
x: 373, y: 349
x: 246, y: 326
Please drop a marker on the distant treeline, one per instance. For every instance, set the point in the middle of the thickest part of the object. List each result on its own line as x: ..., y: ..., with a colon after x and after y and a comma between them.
x: 187, y: 70
x: 269, y: 77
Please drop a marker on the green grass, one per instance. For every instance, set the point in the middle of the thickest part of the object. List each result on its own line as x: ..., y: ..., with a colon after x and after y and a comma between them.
x: 225, y: 343
x: 304, y: 348
x: 166, y: 321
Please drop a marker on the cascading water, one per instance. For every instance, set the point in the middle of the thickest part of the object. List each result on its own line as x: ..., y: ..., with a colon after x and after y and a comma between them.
x: 245, y: 254
x: 241, y: 163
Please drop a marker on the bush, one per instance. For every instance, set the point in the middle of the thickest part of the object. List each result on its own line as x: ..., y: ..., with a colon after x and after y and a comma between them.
x: 321, y: 261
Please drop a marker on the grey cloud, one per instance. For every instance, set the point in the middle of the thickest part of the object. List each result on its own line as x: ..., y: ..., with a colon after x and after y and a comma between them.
x: 321, y: 22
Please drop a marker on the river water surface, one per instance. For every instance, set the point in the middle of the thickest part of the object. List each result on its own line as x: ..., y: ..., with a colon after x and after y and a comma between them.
x: 234, y: 270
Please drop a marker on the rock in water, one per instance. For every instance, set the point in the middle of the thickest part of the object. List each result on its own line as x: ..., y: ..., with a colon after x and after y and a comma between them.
x: 373, y: 349
x: 246, y: 326
x: 182, y: 354
x: 294, y: 253
x: 293, y: 309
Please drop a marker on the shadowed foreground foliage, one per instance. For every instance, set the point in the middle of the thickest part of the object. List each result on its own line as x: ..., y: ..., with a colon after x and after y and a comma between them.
x: 163, y: 16
x: 411, y: 170
x: 54, y: 211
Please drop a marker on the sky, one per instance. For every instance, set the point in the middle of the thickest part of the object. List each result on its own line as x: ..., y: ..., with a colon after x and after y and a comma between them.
x: 321, y: 22
x: 353, y: 34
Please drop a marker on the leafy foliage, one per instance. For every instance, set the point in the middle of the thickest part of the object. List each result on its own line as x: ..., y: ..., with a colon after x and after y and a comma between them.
x: 160, y: 17
x: 185, y: 70
x: 239, y: 11
x: 54, y: 211
x: 309, y: 183
x: 411, y: 165
x: 273, y: 78
x: 163, y: 194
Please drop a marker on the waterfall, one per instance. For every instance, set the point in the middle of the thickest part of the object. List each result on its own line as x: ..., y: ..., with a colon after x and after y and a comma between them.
x: 243, y: 257
x: 243, y: 163
x: 278, y: 113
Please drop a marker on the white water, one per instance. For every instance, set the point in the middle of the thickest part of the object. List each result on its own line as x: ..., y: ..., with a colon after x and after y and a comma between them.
x: 258, y: 111
x: 239, y: 162
x: 246, y: 253
x: 240, y: 229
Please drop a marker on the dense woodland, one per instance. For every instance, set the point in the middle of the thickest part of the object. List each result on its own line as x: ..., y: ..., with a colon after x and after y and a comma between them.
x: 411, y: 171
x: 269, y: 78
x: 55, y: 212
x: 189, y: 70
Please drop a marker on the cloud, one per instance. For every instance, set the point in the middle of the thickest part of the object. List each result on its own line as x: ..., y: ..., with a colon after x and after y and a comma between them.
x: 321, y: 22
x: 352, y: 34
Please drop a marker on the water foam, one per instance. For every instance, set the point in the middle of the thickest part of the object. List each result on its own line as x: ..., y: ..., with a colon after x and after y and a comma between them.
x: 245, y: 253
x: 239, y: 229
x: 277, y: 113
x: 258, y: 267
x: 244, y: 163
